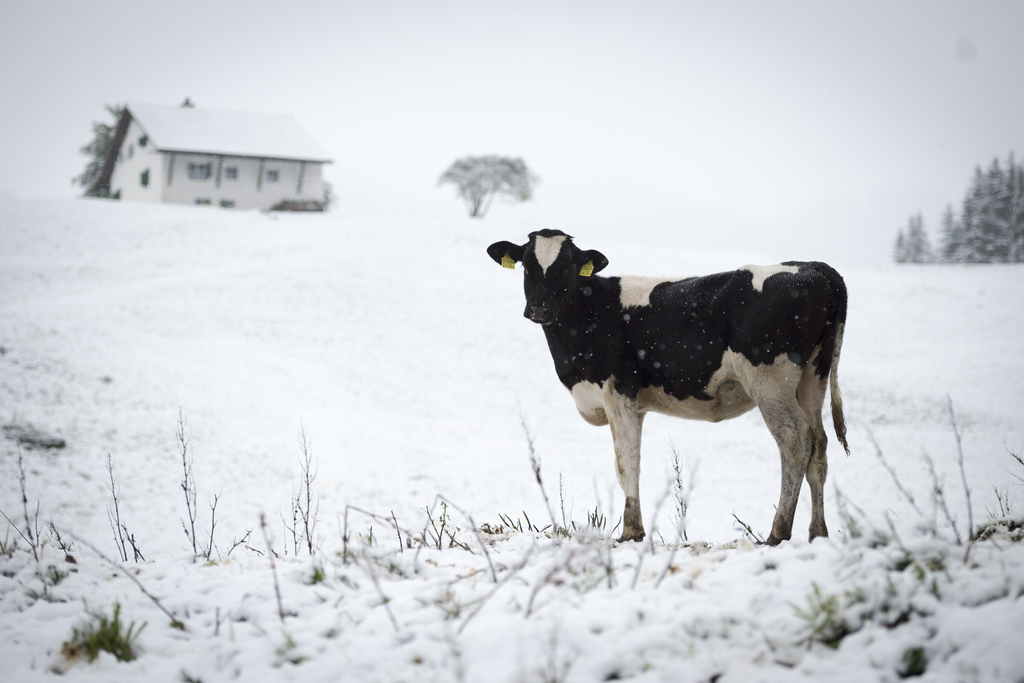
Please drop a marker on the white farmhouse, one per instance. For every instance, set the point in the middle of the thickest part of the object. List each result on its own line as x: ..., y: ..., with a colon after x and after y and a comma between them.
x: 187, y: 155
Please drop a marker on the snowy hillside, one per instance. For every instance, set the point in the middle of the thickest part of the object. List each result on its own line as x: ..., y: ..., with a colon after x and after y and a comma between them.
x: 400, y: 350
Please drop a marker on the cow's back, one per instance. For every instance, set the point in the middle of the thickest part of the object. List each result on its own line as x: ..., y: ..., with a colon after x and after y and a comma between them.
x: 681, y: 339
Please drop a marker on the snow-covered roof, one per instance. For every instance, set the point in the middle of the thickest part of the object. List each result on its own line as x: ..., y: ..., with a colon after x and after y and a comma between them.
x: 192, y: 129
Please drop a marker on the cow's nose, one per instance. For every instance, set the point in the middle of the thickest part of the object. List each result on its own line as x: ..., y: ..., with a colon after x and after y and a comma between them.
x: 538, y: 313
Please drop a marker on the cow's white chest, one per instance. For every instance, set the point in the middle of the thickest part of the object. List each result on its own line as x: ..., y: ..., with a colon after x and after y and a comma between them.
x: 589, y: 399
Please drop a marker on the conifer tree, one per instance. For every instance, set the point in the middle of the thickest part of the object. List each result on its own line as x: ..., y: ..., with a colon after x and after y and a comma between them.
x: 913, y: 247
x: 987, y: 228
x: 1015, y: 188
x: 991, y: 224
x: 899, y: 250
x: 952, y: 236
x: 97, y: 150
x: 972, y: 248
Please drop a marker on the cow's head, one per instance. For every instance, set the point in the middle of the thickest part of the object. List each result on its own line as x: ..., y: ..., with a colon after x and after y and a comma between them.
x: 555, y: 270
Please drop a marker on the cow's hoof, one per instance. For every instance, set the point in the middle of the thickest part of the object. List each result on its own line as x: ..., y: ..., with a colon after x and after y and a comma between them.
x: 774, y: 540
x: 630, y: 537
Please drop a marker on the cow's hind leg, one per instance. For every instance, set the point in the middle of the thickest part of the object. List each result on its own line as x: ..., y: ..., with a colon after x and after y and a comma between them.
x: 626, y: 424
x: 788, y: 424
x: 811, y: 395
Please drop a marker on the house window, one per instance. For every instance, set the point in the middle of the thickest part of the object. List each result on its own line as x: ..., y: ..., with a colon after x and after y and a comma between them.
x: 231, y: 173
x: 131, y: 151
x: 203, y: 202
x: 227, y: 203
x: 200, y: 171
x: 144, y: 178
x: 272, y: 176
x: 143, y: 141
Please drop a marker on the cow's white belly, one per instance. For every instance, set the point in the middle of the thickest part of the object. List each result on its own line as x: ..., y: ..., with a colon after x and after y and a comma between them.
x: 728, y: 399
x: 730, y: 389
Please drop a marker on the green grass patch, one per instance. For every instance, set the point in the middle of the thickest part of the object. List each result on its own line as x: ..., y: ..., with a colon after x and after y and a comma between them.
x: 102, y: 633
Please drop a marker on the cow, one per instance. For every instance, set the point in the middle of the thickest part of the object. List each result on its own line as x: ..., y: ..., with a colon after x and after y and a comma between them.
x: 705, y: 348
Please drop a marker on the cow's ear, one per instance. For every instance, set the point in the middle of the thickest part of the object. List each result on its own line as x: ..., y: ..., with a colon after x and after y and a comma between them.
x: 593, y: 258
x: 506, y: 254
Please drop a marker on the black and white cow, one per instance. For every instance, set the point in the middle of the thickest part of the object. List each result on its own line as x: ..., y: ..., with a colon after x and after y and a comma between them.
x: 703, y: 348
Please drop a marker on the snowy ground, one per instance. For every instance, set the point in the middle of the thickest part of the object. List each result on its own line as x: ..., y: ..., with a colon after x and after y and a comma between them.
x: 399, y: 348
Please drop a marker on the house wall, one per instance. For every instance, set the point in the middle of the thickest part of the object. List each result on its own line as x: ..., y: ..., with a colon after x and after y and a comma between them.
x: 133, y: 159
x: 169, y: 179
x: 250, y: 189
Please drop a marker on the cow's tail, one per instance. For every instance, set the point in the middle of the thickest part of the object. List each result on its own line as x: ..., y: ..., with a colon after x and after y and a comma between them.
x: 832, y: 345
x: 833, y: 383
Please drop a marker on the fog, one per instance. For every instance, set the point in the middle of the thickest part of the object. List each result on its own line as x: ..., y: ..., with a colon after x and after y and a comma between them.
x: 799, y: 130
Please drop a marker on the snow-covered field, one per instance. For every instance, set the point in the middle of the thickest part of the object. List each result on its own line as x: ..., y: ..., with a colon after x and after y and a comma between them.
x: 399, y: 349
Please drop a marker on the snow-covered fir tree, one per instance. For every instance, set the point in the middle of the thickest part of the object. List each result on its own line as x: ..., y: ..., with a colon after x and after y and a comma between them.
x: 1015, y: 181
x: 952, y: 236
x: 987, y: 228
x: 913, y: 246
x: 990, y: 228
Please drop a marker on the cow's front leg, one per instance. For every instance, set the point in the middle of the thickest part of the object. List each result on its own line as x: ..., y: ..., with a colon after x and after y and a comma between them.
x: 626, y: 424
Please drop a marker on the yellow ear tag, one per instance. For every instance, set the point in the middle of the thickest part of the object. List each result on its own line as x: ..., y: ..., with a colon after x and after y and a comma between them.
x: 588, y: 268
x: 507, y: 262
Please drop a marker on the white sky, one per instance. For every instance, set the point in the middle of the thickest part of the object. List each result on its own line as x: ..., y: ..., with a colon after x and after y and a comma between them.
x: 801, y: 129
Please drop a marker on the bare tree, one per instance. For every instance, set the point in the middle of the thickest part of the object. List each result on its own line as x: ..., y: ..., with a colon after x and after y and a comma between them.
x: 479, y: 179
x: 188, y: 484
x: 307, y: 501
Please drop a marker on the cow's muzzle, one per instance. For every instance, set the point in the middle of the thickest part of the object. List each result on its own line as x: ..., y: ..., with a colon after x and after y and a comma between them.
x: 538, y: 313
